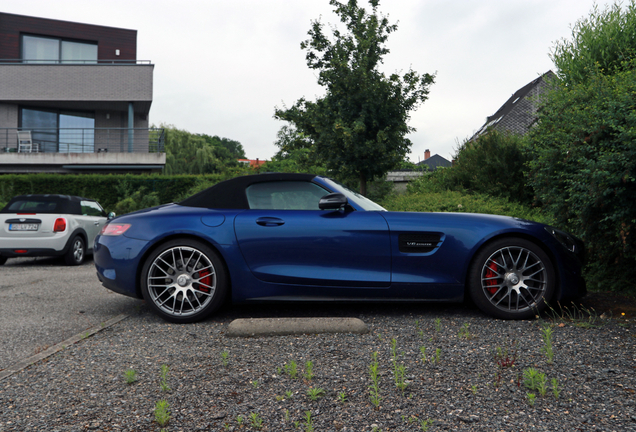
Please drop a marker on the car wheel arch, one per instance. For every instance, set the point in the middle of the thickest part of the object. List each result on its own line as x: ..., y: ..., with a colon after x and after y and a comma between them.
x: 513, y: 235
x: 78, y: 232
x: 169, y: 238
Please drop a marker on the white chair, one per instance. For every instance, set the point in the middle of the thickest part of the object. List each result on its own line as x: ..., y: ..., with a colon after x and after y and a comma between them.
x: 25, y: 145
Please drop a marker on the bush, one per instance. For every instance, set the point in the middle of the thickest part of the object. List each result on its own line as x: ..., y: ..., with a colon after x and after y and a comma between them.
x: 454, y: 201
x: 493, y: 164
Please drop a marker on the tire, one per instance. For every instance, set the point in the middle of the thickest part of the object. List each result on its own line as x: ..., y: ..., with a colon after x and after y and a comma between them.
x: 76, y: 252
x: 511, y: 278
x: 3, y: 260
x: 184, y: 281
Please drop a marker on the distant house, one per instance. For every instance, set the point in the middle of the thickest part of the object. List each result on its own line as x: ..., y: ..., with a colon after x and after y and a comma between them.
x: 433, y: 162
x: 519, y: 113
x: 74, y: 98
x: 430, y: 163
x: 253, y: 163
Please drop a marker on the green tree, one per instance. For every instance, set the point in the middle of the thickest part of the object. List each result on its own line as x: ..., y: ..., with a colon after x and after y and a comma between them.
x: 358, y: 129
x: 604, y: 42
x: 188, y: 153
x: 584, y: 163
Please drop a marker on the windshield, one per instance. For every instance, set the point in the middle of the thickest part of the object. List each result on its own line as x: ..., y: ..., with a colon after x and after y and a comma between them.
x: 354, y: 196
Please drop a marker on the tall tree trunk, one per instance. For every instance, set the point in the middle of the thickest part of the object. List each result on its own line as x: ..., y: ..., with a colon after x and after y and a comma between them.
x: 363, y: 184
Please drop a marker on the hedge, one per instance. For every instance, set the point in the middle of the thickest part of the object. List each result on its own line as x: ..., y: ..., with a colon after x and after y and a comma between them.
x: 107, y: 189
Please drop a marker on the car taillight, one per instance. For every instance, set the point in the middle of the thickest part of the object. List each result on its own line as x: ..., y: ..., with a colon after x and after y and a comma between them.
x: 114, y: 229
x: 59, y: 225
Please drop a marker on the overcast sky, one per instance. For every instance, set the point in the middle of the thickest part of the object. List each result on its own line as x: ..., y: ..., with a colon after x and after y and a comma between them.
x: 222, y: 66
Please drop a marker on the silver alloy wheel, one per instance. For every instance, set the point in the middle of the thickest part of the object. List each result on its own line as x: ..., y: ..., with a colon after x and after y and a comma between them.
x: 514, y: 279
x: 181, y: 281
x: 78, y: 250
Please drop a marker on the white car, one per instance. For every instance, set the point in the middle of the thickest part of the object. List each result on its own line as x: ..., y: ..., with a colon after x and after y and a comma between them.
x: 50, y: 225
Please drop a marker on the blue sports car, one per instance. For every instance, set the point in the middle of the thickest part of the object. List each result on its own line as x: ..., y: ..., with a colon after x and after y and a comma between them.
x: 301, y: 237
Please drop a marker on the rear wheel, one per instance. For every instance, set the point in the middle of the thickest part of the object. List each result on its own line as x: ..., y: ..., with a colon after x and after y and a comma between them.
x: 184, y: 281
x: 512, y: 278
x: 75, y: 254
x: 3, y: 260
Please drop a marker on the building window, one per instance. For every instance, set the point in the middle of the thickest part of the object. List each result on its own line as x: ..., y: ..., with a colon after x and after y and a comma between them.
x: 36, y: 49
x: 60, y: 131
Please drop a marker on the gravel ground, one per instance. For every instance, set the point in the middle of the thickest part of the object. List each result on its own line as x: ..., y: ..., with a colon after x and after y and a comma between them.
x: 83, y: 387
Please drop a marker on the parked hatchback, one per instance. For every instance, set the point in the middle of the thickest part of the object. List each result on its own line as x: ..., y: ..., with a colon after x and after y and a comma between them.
x: 50, y: 225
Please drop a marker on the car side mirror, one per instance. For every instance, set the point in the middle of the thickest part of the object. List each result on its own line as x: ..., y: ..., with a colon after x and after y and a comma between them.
x: 111, y: 215
x: 333, y: 201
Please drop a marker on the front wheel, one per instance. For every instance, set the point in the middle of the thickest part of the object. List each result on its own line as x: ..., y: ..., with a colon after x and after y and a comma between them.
x: 184, y: 281
x: 512, y: 278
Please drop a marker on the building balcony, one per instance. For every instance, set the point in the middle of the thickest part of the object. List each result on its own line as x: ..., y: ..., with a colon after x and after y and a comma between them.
x: 83, y: 150
x: 96, y: 85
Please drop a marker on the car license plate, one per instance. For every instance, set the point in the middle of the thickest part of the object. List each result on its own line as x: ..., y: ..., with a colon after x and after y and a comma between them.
x: 23, y: 227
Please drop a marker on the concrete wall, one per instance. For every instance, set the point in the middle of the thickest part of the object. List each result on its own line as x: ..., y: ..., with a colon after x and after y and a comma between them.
x: 8, y: 117
x: 80, y: 162
x: 35, y: 83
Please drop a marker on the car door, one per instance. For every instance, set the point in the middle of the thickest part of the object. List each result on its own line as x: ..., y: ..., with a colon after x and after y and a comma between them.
x: 92, y: 219
x: 286, y: 239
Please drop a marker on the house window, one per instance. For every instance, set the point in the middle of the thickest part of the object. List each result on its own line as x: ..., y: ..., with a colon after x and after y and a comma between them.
x: 36, y: 49
x: 57, y: 131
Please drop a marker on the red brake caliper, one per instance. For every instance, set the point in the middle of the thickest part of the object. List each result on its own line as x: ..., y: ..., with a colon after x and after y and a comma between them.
x: 491, y: 283
x: 205, y: 279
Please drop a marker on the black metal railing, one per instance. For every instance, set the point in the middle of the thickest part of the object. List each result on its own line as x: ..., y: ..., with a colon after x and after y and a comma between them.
x: 76, y: 62
x: 82, y: 140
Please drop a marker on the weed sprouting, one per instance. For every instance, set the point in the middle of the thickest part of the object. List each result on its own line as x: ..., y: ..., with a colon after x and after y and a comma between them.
x: 555, y: 388
x: 225, y: 358
x: 464, y: 332
x: 438, y: 325
x: 256, y: 420
x: 577, y: 315
x: 291, y: 369
x: 130, y: 376
x: 546, y: 334
x: 315, y: 393
x: 534, y: 380
x: 342, y: 397
x: 531, y: 398
x: 309, y: 424
x: 309, y: 367
x: 425, y: 424
x: 374, y: 388
x: 423, y: 351
x: 162, y: 415
x: 164, y: 378
x: 399, y: 370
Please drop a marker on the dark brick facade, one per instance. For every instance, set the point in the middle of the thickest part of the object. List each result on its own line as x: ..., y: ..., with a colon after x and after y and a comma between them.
x: 108, y: 39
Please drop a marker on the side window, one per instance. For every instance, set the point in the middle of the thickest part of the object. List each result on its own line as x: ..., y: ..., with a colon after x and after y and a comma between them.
x: 285, y: 195
x: 91, y: 208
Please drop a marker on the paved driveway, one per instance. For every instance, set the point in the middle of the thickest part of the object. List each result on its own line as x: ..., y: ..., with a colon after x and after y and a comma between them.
x: 43, y: 302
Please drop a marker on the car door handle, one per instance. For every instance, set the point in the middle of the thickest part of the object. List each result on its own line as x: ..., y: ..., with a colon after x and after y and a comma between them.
x: 96, y: 223
x: 269, y: 221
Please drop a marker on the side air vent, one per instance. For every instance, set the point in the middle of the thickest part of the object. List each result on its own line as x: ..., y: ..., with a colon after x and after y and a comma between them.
x: 419, y: 243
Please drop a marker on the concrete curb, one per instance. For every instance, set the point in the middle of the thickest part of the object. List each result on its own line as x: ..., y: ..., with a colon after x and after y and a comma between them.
x: 22, y: 364
x: 254, y: 327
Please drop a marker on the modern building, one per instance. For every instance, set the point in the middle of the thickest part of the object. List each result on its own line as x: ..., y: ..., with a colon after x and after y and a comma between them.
x: 78, y: 96
x: 519, y: 113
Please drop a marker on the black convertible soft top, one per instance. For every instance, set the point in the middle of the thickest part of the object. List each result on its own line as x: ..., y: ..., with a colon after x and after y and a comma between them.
x: 49, y: 204
x: 230, y: 194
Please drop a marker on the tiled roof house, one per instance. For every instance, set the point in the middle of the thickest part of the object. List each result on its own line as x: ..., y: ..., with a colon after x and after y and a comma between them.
x: 518, y: 114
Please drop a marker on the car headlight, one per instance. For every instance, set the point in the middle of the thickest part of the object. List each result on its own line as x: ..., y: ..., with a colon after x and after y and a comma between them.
x: 569, y: 242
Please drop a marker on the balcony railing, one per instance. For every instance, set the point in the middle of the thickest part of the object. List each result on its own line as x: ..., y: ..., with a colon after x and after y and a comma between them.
x: 85, y: 140
x: 76, y: 62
